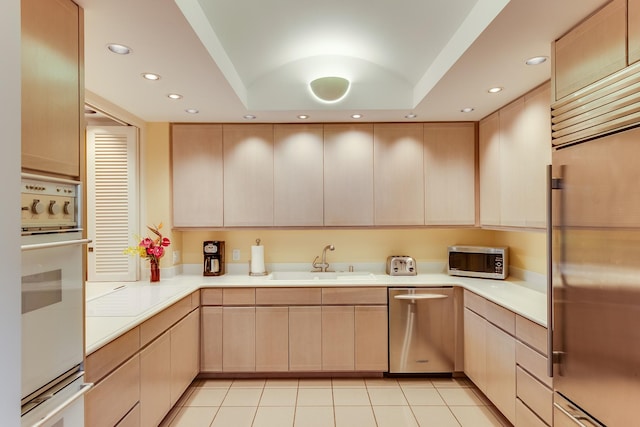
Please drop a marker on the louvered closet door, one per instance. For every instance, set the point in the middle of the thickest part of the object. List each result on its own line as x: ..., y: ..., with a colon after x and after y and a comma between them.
x: 112, y: 202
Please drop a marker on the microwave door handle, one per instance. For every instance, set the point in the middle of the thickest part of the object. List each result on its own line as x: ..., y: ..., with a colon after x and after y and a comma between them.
x: 50, y: 245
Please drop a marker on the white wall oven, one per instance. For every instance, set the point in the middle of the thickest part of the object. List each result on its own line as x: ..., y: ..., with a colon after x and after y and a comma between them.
x: 52, y: 303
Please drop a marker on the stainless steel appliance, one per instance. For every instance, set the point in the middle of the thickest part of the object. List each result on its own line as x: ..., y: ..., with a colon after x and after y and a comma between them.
x: 52, y: 302
x: 401, y: 265
x: 478, y: 261
x: 595, y: 276
x: 421, y: 330
x: 213, y: 251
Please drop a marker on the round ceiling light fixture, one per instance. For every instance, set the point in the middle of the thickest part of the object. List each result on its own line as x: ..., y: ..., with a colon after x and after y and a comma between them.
x: 330, y: 89
x: 536, y: 60
x: 151, y: 76
x: 120, y: 49
x: 467, y: 110
x: 495, y: 89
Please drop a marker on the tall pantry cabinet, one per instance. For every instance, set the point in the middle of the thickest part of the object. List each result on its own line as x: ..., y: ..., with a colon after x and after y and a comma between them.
x: 52, y: 86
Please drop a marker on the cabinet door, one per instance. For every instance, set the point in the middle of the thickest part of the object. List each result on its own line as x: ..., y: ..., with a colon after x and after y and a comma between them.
x: 238, y: 339
x: 197, y: 175
x: 633, y: 15
x: 248, y: 175
x: 371, y: 350
x: 475, y: 348
x: 592, y: 50
x: 348, y: 174
x: 185, y: 337
x: 501, y: 371
x: 489, y: 169
x: 305, y: 338
x: 211, y: 340
x: 338, y: 338
x: 450, y: 173
x: 514, y: 183
x: 298, y: 175
x: 155, y: 381
x: 272, y: 339
x: 51, y: 86
x: 398, y: 174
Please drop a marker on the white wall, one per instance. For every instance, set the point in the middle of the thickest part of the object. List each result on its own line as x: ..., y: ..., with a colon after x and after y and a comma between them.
x: 10, y: 218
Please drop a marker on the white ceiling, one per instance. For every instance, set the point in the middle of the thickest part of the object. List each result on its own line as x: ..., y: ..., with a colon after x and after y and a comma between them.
x: 229, y: 58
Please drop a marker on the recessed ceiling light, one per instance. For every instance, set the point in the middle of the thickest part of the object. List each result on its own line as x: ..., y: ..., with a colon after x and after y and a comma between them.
x: 495, y: 89
x: 410, y: 116
x: 466, y: 110
x: 151, y: 76
x: 536, y: 60
x: 303, y: 116
x: 249, y: 116
x: 174, y: 96
x: 192, y: 111
x: 356, y: 116
x: 120, y: 49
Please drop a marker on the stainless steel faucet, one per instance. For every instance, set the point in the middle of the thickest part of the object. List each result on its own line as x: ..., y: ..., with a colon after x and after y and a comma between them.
x: 324, y: 265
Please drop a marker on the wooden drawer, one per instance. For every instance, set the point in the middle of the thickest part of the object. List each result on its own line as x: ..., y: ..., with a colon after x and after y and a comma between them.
x: 240, y: 296
x: 535, y: 395
x: 526, y: 418
x: 533, y: 362
x: 104, y: 360
x: 288, y: 296
x: 132, y: 419
x: 350, y: 296
x: 475, y: 303
x: 531, y: 333
x: 195, y: 299
x: 162, y: 321
x: 211, y: 296
x: 501, y: 317
x: 111, y: 399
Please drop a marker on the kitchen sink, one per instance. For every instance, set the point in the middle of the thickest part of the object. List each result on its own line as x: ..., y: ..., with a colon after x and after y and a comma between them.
x: 319, y: 275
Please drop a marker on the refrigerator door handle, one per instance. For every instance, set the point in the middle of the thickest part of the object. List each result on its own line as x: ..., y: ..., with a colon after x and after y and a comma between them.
x: 549, y: 273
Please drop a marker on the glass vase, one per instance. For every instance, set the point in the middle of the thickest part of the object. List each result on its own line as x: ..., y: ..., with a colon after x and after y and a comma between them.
x: 155, y: 271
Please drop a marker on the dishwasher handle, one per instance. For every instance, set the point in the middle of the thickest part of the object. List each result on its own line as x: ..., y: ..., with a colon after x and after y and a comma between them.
x: 420, y: 296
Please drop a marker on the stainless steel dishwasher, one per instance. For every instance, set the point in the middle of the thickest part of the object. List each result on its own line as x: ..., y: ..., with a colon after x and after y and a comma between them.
x: 421, y: 330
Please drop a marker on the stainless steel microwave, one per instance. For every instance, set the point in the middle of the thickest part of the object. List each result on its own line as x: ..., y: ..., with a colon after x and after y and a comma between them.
x: 479, y: 261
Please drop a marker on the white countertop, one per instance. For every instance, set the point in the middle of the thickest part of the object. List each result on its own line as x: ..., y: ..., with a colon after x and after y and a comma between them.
x: 114, y: 308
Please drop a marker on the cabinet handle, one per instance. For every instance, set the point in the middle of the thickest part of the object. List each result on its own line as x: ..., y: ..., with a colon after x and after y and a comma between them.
x: 420, y: 296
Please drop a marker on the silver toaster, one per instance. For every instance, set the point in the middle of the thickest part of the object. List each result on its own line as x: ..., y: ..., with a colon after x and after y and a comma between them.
x: 401, y: 265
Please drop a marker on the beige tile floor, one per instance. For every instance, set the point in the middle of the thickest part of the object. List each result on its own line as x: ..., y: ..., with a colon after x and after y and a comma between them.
x: 338, y: 402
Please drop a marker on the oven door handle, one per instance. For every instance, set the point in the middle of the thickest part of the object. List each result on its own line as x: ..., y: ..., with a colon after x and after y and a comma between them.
x: 420, y: 296
x: 64, y: 405
x: 50, y: 245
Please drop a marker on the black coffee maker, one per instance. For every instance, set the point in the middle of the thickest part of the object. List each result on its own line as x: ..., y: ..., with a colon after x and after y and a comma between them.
x: 213, y: 257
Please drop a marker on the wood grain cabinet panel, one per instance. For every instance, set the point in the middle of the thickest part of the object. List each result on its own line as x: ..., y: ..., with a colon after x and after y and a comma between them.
x: 52, y: 87
x: 450, y: 173
x: 398, y: 164
x: 633, y: 16
x: 475, y: 348
x: 238, y: 339
x: 338, y: 338
x: 595, y: 48
x: 132, y: 419
x: 155, y: 381
x: 489, y: 170
x: 526, y: 418
x: 371, y: 334
x: 305, y: 338
x: 351, y: 296
x: 272, y: 339
x: 298, y: 175
x: 211, y: 339
x: 501, y: 371
x: 248, y: 175
x: 185, y: 354
x: 104, y: 360
x: 348, y: 174
x: 197, y: 175
x: 535, y: 395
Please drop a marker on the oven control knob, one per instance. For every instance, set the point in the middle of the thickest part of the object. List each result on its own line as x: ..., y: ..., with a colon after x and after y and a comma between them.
x: 37, y: 207
x: 66, y: 209
x: 54, y: 208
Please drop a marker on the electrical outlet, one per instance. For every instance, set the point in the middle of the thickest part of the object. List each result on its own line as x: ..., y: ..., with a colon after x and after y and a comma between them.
x: 236, y: 254
x: 176, y: 257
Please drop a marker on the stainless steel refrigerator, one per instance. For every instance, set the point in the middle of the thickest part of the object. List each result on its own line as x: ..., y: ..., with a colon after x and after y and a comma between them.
x: 595, y: 276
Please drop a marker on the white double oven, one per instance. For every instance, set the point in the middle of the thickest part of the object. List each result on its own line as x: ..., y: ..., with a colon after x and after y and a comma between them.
x: 52, y: 303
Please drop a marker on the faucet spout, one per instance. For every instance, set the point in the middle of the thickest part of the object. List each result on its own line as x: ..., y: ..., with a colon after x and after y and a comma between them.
x: 324, y: 265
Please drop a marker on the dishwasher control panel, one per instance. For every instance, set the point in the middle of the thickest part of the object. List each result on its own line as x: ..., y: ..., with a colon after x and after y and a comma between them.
x: 401, y: 265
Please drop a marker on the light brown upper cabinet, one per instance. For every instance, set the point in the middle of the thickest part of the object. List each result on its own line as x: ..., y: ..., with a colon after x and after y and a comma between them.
x: 398, y: 174
x: 449, y: 173
x: 348, y: 174
x: 248, y: 175
x: 514, y: 150
x: 197, y: 175
x: 298, y: 175
x: 52, y: 87
x: 633, y: 15
x: 595, y: 48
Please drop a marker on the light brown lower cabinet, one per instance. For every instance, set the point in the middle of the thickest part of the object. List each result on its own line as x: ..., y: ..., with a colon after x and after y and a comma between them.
x: 272, y: 339
x: 305, y: 338
x: 501, y: 371
x: 211, y: 339
x: 132, y: 419
x: 185, y: 355
x: 155, y: 380
x: 371, y: 337
x: 338, y: 338
x: 238, y: 339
